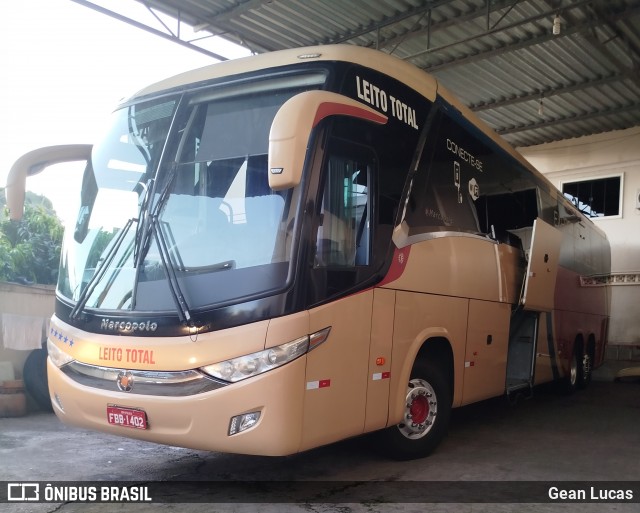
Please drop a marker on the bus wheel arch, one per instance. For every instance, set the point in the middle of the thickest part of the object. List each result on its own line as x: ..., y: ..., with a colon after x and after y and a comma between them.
x: 438, y: 350
x: 427, y: 404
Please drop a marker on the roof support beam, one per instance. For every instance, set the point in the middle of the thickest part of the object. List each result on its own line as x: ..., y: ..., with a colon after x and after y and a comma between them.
x: 471, y: 15
x: 169, y: 36
x: 536, y: 40
x: 570, y: 119
x: 552, y: 91
x: 217, y: 24
x: 602, y: 45
x: 514, y: 46
x: 416, y: 11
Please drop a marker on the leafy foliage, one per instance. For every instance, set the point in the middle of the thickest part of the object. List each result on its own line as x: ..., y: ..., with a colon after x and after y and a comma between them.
x: 30, y: 248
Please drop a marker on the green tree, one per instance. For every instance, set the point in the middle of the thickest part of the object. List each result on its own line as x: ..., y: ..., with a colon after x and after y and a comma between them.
x: 30, y: 248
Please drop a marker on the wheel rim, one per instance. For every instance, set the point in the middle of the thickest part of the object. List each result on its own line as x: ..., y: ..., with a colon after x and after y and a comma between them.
x: 573, y: 371
x: 420, y: 411
x: 586, y: 367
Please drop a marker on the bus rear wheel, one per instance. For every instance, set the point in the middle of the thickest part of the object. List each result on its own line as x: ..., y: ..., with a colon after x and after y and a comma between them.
x: 425, y: 417
x: 570, y: 382
x: 584, y: 371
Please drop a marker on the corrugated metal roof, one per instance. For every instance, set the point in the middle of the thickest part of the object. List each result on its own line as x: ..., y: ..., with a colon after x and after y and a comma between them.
x: 500, y: 57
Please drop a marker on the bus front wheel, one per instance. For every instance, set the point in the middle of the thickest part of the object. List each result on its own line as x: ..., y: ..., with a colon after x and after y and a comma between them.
x: 425, y: 417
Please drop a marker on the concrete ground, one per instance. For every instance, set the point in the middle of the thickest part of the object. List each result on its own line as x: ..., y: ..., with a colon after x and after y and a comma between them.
x: 593, y: 435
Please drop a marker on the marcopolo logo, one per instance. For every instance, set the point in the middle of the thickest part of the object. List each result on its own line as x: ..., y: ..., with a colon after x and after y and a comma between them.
x: 124, y: 381
x: 108, y: 324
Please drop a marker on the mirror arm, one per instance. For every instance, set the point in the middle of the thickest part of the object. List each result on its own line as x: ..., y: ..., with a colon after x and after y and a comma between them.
x: 33, y: 163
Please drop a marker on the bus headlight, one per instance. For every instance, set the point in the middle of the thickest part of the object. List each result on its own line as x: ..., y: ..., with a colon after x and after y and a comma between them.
x: 253, y: 364
x: 57, y: 355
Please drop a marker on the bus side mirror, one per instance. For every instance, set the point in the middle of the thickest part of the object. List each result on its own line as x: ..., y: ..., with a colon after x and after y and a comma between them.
x: 291, y: 129
x: 33, y: 163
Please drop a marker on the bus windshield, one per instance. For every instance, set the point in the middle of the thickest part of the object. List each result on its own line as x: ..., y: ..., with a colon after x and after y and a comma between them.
x: 175, y: 200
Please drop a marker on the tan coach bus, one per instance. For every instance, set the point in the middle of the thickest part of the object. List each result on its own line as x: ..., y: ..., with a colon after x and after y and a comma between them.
x: 279, y: 252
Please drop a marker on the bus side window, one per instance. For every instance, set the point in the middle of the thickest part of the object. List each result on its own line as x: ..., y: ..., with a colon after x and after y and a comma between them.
x: 344, y: 234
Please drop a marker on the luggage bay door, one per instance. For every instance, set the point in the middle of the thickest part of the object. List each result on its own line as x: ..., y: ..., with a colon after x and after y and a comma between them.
x: 538, y: 296
x: 542, y: 268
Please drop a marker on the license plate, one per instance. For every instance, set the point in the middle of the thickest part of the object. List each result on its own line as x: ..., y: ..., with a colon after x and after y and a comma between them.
x: 126, y: 417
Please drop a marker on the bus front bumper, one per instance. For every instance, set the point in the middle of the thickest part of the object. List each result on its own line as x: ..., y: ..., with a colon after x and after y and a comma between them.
x: 201, y: 421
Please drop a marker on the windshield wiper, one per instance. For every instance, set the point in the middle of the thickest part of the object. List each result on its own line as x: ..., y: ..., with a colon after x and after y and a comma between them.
x: 176, y: 293
x: 100, y: 269
x: 142, y: 223
x: 103, y: 265
x: 143, y: 238
x: 143, y: 235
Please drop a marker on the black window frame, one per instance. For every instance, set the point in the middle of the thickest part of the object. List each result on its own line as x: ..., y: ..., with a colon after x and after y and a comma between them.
x: 606, y: 198
x: 341, y: 147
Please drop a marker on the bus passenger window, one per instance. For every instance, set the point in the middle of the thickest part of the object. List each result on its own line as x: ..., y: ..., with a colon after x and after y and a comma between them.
x: 343, y: 237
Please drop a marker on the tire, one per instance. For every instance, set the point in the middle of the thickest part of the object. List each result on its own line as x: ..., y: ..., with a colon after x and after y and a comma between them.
x: 569, y: 383
x: 426, y: 415
x: 35, y: 378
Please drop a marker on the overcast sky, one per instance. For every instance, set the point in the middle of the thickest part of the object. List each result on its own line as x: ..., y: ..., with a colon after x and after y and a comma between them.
x: 64, y: 67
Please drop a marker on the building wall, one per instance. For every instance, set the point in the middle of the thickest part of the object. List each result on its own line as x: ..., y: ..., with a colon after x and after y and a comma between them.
x: 597, y: 156
x: 24, y: 317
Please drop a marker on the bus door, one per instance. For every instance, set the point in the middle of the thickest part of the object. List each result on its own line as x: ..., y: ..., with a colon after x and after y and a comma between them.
x: 538, y: 296
x: 336, y: 375
x: 341, y: 249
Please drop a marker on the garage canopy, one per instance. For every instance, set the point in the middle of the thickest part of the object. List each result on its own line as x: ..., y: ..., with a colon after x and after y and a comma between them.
x: 534, y: 70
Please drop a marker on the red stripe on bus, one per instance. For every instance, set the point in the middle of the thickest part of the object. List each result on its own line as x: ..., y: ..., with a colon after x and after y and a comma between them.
x: 332, y: 109
x: 398, y: 265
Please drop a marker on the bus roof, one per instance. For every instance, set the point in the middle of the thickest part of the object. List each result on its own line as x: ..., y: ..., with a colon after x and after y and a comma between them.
x: 409, y: 74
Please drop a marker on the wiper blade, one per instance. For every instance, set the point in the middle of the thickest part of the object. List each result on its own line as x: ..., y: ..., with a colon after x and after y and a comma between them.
x: 184, y: 313
x: 149, y: 225
x: 142, y: 223
x: 101, y: 268
x: 145, y: 229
